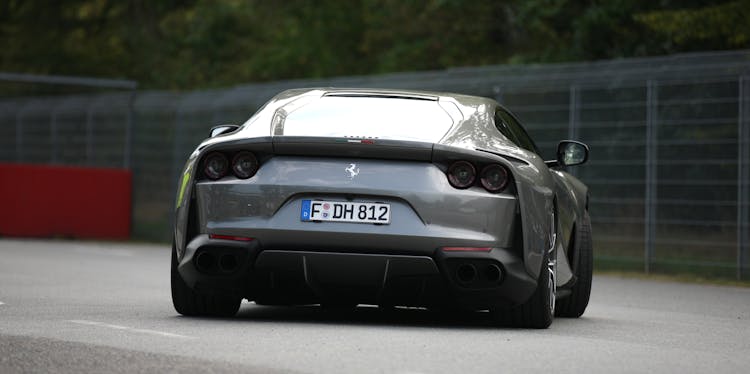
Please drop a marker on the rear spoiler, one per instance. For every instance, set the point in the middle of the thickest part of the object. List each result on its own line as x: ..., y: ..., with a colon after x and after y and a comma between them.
x: 353, y: 147
x: 356, y: 148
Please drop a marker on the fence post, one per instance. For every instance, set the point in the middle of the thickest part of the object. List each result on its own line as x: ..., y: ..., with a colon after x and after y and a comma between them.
x: 19, y: 133
x: 498, y: 91
x: 53, y: 134
x: 180, y: 123
x: 176, y: 140
x: 90, y: 133
x: 574, y: 116
x: 652, y: 107
x: 743, y: 175
x: 127, y: 152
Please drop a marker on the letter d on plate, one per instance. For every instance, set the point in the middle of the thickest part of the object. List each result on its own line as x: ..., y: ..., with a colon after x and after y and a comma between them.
x: 305, y: 212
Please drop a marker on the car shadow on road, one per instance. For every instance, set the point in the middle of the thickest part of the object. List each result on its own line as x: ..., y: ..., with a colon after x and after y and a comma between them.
x: 365, y: 315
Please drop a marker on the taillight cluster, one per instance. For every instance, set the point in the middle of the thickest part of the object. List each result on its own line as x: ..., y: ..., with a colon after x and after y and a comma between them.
x: 216, y: 165
x: 493, y: 177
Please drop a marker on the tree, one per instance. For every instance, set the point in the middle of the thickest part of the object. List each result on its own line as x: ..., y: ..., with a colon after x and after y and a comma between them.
x: 185, y: 44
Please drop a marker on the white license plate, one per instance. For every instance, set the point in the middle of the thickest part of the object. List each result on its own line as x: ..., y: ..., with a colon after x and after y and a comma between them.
x: 345, y: 211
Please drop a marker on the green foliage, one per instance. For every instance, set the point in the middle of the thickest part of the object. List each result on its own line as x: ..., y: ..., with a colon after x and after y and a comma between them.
x: 720, y: 26
x: 183, y: 44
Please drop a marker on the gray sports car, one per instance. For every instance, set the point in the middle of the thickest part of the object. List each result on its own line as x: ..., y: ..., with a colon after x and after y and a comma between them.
x: 393, y: 198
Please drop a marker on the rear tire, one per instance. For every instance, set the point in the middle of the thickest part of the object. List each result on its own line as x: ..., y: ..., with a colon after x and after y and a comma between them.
x: 574, y: 305
x: 190, y: 303
x: 539, y: 310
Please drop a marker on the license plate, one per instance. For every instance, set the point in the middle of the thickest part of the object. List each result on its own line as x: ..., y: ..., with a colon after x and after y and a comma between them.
x: 345, y: 211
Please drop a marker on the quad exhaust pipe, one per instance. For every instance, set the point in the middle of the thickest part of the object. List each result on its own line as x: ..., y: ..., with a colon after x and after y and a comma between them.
x: 466, y: 273
x: 228, y: 262
x: 479, y: 275
x: 207, y: 262
x: 493, y: 273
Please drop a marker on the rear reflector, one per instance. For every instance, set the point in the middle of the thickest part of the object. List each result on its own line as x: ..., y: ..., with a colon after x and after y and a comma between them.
x: 467, y: 249
x: 229, y: 237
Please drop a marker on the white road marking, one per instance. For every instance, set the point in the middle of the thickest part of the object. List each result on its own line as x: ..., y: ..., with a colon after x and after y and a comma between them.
x: 2, y: 303
x: 103, y: 251
x: 130, y: 329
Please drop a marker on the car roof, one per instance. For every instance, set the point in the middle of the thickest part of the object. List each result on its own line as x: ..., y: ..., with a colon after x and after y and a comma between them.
x: 469, y: 103
x: 470, y: 130
x: 473, y: 129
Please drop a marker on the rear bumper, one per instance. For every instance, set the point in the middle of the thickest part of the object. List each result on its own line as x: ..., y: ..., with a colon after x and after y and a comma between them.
x: 426, y: 211
x: 286, y: 276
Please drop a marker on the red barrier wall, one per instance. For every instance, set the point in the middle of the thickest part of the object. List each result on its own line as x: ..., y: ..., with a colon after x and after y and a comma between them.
x: 45, y: 200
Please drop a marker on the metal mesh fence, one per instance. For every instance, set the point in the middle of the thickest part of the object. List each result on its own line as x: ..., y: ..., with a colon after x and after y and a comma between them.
x: 669, y: 140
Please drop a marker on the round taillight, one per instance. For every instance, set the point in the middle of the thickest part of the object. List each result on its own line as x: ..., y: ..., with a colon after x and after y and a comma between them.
x: 461, y: 174
x: 244, y: 165
x: 494, y: 178
x: 215, y: 165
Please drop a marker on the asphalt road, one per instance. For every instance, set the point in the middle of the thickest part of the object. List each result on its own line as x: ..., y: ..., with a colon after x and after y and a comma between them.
x: 70, y: 307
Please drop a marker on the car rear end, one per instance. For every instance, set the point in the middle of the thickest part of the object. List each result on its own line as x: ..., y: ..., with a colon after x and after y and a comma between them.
x: 336, y: 215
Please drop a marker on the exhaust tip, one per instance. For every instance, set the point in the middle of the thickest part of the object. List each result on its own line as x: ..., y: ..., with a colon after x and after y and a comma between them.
x: 205, y: 261
x: 228, y: 262
x: 493, y: 273
x: 466, y: 273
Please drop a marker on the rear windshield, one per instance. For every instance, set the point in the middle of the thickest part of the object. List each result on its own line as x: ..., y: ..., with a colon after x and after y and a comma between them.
x: 369, y: 117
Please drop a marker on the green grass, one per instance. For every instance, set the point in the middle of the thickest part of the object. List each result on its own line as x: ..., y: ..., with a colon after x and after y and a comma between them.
x: 701, y: 255
x: 673, y: 269
x: 682, y: 278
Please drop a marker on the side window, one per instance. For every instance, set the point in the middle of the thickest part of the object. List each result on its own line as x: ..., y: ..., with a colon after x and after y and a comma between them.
x: 524, y: 140
x: 503, y: 128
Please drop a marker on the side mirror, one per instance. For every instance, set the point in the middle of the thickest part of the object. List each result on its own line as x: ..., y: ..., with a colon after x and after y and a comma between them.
x: 570, y: 153
x: 222, y: 129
